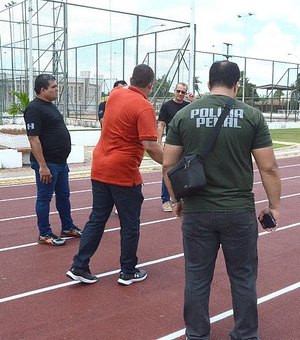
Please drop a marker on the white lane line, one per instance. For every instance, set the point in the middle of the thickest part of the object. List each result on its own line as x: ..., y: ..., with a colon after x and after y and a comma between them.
x: 90, y: 190
x: 70, y: 283
x: 55, y: 212
x: 145, y: 264
x: 70, y: 180
x: 228, y: 313
x: 88, y: 177
x: 30, y: 197
x: 106, y: 231
x: 143, y: 224
x: 89, y: 207
x: 71, y: 193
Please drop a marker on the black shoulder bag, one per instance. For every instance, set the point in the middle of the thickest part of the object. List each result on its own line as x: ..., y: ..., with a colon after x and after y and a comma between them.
x: 187, y: 177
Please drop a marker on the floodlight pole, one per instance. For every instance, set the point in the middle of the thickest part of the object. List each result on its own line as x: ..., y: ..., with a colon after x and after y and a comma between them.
x: 192, y: 49
x: 65, y: 71
x: 30, y: 57
x: 246, y: 16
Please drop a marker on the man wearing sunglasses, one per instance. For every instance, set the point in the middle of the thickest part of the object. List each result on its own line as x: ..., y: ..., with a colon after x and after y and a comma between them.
x: 167, y: 112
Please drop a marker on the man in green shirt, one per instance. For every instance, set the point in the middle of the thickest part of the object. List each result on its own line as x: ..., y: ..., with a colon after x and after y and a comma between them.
x: 223, y: 213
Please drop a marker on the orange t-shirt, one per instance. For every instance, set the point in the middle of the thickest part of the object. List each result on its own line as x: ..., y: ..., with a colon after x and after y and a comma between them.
x: 129, y: 119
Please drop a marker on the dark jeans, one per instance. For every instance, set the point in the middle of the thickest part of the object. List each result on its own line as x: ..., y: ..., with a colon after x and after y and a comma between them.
x: 165, y: 196
x: 203, y: 233
x: 128, y: 201
x: 59, y: 185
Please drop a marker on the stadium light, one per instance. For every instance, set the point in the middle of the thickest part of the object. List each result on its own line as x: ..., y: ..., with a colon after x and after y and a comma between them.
x: 227, y: 56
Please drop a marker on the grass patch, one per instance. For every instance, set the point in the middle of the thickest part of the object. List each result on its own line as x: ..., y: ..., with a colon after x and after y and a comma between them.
x: 278, y: 146
x: 286, y: 135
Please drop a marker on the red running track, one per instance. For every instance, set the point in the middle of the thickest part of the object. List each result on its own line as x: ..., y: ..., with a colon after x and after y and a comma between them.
x: 39, y: 302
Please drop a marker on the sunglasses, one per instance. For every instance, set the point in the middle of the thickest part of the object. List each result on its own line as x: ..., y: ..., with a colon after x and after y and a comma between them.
x: 179, y: 91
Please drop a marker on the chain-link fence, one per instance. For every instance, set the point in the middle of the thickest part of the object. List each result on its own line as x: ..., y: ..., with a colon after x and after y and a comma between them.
x: 89, y: 48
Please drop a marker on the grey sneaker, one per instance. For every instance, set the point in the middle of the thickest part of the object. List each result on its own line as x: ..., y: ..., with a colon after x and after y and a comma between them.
x: 72, y: 232
x: 51, y: 240
x: 128, y: 279
x: 82, y: 275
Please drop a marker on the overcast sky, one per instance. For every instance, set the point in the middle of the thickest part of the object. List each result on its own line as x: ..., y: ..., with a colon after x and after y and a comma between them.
x: 272, y: 32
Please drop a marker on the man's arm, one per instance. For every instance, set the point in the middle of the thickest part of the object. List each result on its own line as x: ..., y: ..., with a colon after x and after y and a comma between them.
x: 172, y: 154
x: 160, y: 130
x: 154, y: 150
x: 37, y: 151
x: 268, y: 169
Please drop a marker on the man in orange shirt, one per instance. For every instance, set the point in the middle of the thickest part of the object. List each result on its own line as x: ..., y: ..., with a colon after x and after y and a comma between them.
x: 129, y: 129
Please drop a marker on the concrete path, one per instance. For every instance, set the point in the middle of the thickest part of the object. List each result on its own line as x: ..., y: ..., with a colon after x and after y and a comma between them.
x: 25, y: 173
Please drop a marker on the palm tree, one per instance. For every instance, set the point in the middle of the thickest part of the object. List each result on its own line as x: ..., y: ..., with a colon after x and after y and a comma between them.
x: 20, y: 106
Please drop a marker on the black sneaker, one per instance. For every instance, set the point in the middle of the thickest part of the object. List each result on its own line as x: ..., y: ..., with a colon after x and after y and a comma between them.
x: 128, y: 279
x: 82, y: 275
x: 51, y: 240
x: 72, y: 232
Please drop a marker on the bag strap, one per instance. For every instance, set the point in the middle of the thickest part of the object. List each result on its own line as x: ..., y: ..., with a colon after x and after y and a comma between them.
x: 214, y: 133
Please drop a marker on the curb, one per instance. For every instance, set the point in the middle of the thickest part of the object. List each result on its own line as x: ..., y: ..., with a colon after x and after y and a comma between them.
x: 73, y: 175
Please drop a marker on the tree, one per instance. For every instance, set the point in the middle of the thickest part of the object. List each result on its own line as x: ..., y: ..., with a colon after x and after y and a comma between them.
x: 296, y: 85
x: 278, y: 94
x: 163, y: 86
x: 20, y: 106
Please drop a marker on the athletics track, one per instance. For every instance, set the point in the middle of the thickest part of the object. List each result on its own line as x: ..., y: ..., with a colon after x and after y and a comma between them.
x: 37, y: 301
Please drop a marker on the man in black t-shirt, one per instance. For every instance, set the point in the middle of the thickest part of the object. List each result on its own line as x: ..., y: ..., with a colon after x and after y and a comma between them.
x: 166, y: 114
x: 101, y: 108
x: 50, y: 144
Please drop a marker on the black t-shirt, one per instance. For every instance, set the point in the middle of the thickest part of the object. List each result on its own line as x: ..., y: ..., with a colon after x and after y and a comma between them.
x: 44, y: 120
x: 168, y: 111
x: 101, y: 110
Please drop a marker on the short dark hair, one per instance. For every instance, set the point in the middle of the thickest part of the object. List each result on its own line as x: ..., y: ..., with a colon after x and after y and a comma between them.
x: 120, y: 82
x: 142, y: 76
x: 42, y: 81
x: 224, y: 73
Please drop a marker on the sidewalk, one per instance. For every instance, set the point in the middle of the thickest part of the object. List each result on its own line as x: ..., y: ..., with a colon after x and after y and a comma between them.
x: 26, y: 174
x: 77, y: 170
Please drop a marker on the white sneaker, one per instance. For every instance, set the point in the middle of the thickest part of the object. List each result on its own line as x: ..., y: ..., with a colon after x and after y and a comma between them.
x: 167, y: 207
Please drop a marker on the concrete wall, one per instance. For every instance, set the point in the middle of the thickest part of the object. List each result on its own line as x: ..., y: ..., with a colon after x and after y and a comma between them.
x: 11, y: 158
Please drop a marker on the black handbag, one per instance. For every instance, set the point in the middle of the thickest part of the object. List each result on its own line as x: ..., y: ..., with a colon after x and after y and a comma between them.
x: 187, y: 177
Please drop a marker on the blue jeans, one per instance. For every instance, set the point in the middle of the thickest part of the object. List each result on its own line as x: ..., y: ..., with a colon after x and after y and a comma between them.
x: 165, y: 196
x: 59, y: 185
x: 203, y: 233
x: 128, y: 201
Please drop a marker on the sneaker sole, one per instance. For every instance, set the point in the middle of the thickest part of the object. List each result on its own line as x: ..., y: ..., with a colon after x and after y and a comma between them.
x: 70, y: 235
x: 74, y: 277
x: 51, y: 244
x: 129, y: 282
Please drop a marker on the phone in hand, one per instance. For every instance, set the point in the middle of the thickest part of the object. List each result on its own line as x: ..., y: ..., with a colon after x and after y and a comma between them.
x: 268, y: 221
